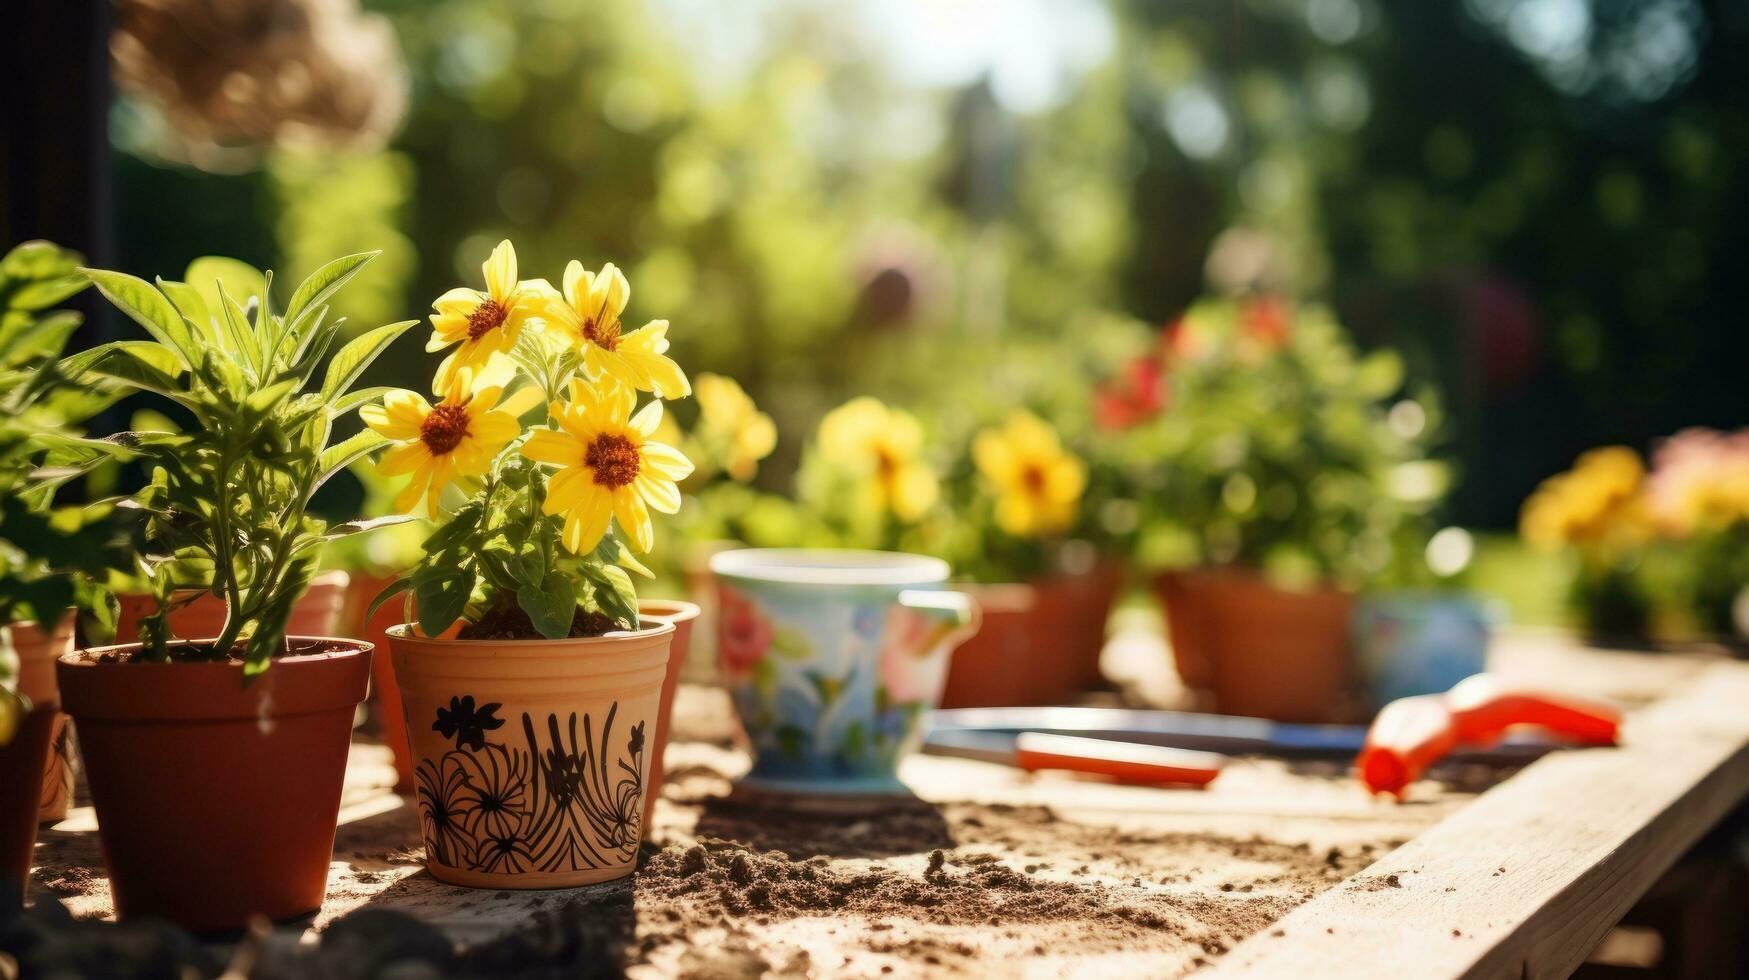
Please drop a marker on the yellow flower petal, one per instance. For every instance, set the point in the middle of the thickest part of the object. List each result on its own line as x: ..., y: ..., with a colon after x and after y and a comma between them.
x: 500, y: 270
x: 557, y: 448
x: 634, y: 518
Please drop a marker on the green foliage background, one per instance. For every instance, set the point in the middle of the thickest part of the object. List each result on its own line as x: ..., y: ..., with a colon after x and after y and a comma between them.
x: 1553, y: 246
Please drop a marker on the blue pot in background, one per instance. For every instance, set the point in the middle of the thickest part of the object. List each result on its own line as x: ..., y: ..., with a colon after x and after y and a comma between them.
x: 1413, y: 643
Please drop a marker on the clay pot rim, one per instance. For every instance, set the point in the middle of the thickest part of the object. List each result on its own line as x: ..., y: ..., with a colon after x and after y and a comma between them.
x: 830, y: 567
x: 662, y: 627
x: 680, y: 611
x: 78, y: 659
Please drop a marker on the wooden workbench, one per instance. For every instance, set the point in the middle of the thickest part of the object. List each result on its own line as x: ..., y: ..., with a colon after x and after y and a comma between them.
x: 1276, y: 869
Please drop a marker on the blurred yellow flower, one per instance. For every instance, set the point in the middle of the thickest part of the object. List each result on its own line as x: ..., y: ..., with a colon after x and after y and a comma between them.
x: 485, y: 323
x: 457, y: 437
x: 870, y: 441
x: 732, y: 426
x: 1598, y: 504
x: 609, y: 465
x: 1038, y: 483
x: 588, y: 313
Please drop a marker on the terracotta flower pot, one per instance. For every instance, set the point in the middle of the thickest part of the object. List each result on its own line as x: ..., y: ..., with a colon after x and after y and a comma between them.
x: 684, y: 615
x: 22, y: 761
x: 531, y: 756
x: 391, y: 718
x: 1040, y: 642
x: 1264, y: 652
x: 215, y: 801
x: 317, y: 613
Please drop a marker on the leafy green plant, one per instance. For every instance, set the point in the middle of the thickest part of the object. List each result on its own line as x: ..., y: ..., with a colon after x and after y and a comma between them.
x: 1272, y: 443
x: 228, y: 499
x: 49, y: 554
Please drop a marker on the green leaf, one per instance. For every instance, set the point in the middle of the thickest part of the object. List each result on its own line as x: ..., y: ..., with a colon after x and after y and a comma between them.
x: 322, y: 284
x: 790, y: 645
x: 452, y: 532
x: 122, y: 365
x: 193, y: 308
x: 341, y: 455
x: 212, y: 276
x: 350, y: 361
x: 619, y: 599
x: 353, y: 400
x: 243, y: 338
x: 550, y: 606
x: 389, y: 591
x: 150, y: 309
x: 440, y: 595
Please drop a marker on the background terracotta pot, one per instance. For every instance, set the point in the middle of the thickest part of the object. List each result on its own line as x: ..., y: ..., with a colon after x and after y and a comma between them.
x: 317, y: 613
x: 216, y: 802
x: 532, y: 756
x: 684, y: 615
x: 391, y: 718
x: 1040, y: 642
x: 1264, y: 652
x: 23, y: 760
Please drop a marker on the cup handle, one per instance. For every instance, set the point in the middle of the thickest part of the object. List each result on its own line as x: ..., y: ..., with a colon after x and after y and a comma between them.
x: 958, y: 612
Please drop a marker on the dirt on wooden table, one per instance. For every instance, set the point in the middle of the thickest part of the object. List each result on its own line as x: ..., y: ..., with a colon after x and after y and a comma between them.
x: 986, y: 870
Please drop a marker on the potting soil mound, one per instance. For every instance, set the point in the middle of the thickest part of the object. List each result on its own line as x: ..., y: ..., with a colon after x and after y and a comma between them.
x: 986, y: 872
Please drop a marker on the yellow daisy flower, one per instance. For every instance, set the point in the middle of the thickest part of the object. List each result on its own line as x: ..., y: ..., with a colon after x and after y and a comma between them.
x: 1038, y: 482
x: 588, y: 313
x: 485, y: 323
x: 1597, y: 504
x: 609, y: 465
x: 869, y: 439
x: 457, y: 437
x: 736, y: 429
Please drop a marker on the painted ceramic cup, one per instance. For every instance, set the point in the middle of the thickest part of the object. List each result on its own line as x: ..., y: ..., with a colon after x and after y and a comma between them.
x: 832, y: 658
x: 1414, y: 643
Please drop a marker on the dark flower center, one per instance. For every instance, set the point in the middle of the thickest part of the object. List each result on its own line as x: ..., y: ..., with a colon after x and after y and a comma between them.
x: 1033, y: 479
x: 605, y: 336
x: 488, y: 316
x: 614, y: 459
x: 444, y: 428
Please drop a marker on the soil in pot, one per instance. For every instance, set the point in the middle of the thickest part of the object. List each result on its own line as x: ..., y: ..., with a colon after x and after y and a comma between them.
x: 1265, y: 652
x: 532, y: 756
x: 1040, y: 642
x: 317, y: 612
x: 24, y: 759
x: 684, y: 616
x: 215, y: 801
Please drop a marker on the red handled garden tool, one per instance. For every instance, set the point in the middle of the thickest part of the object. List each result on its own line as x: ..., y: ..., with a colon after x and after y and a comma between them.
x: 1411, y: 734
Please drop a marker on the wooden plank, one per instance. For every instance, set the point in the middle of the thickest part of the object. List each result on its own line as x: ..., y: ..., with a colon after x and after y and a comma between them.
x: 1525, y: 880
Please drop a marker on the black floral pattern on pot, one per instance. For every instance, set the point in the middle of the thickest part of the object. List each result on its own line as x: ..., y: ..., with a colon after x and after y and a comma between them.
x: 569, y: 799
x: 465, y: 724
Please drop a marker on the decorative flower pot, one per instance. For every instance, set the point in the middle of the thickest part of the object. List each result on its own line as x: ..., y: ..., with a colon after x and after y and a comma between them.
x: 1040, y: 642
x: 60, y: 774
x: 1264, y: 652
x: 215, y: 801
x: 832, y: 659
x: 23, y: 760
x: 391, y: 717
x: 317, y: 613
x: 531, y: 756
x: 1414, y: 642
x: 683, y: 615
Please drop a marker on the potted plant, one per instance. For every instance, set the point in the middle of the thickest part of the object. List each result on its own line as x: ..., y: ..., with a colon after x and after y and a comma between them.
x: 1655, y: 555
x: 1277, y: 471
x: 49, y: 554
x: 1019, y: 525
x: 217, y: 779
x: 532, y: 723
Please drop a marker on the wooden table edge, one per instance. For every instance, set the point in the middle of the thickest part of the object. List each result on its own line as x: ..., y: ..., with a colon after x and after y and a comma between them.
x: 1525, y: 880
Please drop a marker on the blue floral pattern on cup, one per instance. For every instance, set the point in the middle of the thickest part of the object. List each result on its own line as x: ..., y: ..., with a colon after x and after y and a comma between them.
x: 832, y: 659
